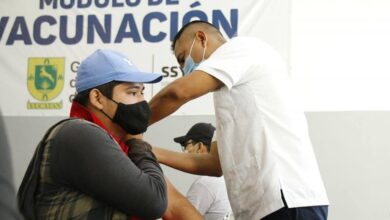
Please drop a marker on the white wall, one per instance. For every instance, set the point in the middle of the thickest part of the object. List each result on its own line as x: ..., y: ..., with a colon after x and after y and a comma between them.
x: 340, y: 53
x: 354, y: 157
x: 339, y: 59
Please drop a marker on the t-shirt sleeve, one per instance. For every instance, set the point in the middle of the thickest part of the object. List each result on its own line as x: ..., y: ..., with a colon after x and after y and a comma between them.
x: 86, y: 158
x: 229, y: 63
x: 200, y: 196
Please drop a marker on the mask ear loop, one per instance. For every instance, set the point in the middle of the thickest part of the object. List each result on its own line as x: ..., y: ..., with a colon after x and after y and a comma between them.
x: 204, y: 51
x: 106, y: 113
x: 192, y: 46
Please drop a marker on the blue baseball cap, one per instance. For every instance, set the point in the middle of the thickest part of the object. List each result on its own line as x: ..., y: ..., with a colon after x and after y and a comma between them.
x: 104, y: 66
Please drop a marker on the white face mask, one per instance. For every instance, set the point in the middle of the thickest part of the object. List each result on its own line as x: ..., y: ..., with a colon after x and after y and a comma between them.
x: 189, y: 64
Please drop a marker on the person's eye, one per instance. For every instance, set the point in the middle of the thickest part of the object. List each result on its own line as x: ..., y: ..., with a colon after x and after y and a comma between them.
x: 180, y: 61
x: 137, y: 93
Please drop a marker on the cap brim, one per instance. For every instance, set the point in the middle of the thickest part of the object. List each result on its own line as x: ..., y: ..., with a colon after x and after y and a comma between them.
x: 140, y: 77
x: 181, y: 139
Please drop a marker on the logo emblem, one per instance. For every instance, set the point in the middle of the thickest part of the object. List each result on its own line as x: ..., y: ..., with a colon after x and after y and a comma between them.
x: 45, y: 77
x: 45, y: 81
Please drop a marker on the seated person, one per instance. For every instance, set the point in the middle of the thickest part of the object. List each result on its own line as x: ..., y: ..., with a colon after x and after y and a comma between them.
x: 90, y: 166
x: 207, y: 194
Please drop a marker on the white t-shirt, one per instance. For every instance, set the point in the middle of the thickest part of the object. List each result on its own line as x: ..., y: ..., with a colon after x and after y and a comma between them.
x: 262, y: 134
x: 208, y: 195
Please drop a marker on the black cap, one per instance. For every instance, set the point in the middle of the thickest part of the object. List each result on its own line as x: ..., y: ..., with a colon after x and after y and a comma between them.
x: 200, y: 132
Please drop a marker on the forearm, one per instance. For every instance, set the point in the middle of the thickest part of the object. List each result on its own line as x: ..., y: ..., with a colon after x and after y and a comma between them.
x: 180, y: 91
x: 164, y: 103
x: 200, y: 164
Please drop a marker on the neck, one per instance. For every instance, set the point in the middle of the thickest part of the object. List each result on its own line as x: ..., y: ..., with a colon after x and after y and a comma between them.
x: 113, y: 128
x: 212, y: 46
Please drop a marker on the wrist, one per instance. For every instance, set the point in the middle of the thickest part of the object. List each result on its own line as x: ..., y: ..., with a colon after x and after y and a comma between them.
x: 133, y: 136
x: 158, y: 153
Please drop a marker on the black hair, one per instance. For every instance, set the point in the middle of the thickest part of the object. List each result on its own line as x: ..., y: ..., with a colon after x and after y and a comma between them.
x: 178, y: 35
x: 106, y: 89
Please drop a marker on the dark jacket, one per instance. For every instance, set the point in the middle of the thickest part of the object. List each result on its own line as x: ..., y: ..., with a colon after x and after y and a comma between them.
x: 79, y: 172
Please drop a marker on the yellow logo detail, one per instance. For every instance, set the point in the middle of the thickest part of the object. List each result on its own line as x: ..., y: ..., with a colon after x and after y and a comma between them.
x: 45, y: 78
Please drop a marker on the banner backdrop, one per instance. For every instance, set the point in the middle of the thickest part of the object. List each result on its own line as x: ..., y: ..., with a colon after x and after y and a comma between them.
x: 42, y: 43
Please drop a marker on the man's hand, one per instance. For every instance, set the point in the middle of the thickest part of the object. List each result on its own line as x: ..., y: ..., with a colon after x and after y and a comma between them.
x: 138, y: 146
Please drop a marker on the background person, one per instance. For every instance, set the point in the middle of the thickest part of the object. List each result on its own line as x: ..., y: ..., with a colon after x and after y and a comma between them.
x: 207, y: 194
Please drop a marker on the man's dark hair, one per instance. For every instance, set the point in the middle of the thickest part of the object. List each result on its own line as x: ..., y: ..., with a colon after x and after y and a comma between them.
x: 195, y: 141
x: 178, y: 35
x: 106, y: 89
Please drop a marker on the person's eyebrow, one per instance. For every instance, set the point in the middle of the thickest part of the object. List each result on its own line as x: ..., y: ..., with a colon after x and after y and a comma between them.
x: 136, y: 86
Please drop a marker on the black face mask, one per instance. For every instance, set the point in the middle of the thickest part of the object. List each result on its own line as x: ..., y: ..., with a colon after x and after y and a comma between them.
x: 133, y: 118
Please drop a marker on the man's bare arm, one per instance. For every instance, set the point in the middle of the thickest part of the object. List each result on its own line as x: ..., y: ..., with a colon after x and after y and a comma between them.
x: 200, y: 164
x: 179, y: 208
x: 180, y: 91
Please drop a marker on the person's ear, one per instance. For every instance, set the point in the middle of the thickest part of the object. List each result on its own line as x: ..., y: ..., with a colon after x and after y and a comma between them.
x: 201, y: 36
x: 201, y: 148
x: 96, y: 99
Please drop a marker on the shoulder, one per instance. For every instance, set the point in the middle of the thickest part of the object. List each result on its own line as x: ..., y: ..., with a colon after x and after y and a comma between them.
x: 79, y: 140
x: 210, y: 181
x: 80, y: 131
x: 241, y: 46
x: 77, y: 122
x: 244, y: 41
x: 79, y: 126
x: 208, y: 184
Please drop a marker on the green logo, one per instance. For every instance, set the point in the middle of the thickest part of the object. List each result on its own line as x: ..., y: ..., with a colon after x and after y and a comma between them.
x: 45, y: 81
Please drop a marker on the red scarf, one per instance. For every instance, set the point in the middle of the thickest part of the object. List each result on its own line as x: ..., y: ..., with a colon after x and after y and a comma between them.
x: 79, y: 111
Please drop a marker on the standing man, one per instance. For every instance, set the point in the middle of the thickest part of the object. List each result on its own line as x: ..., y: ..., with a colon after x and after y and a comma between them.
x: 207, y: 194
x: 264, y: 148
